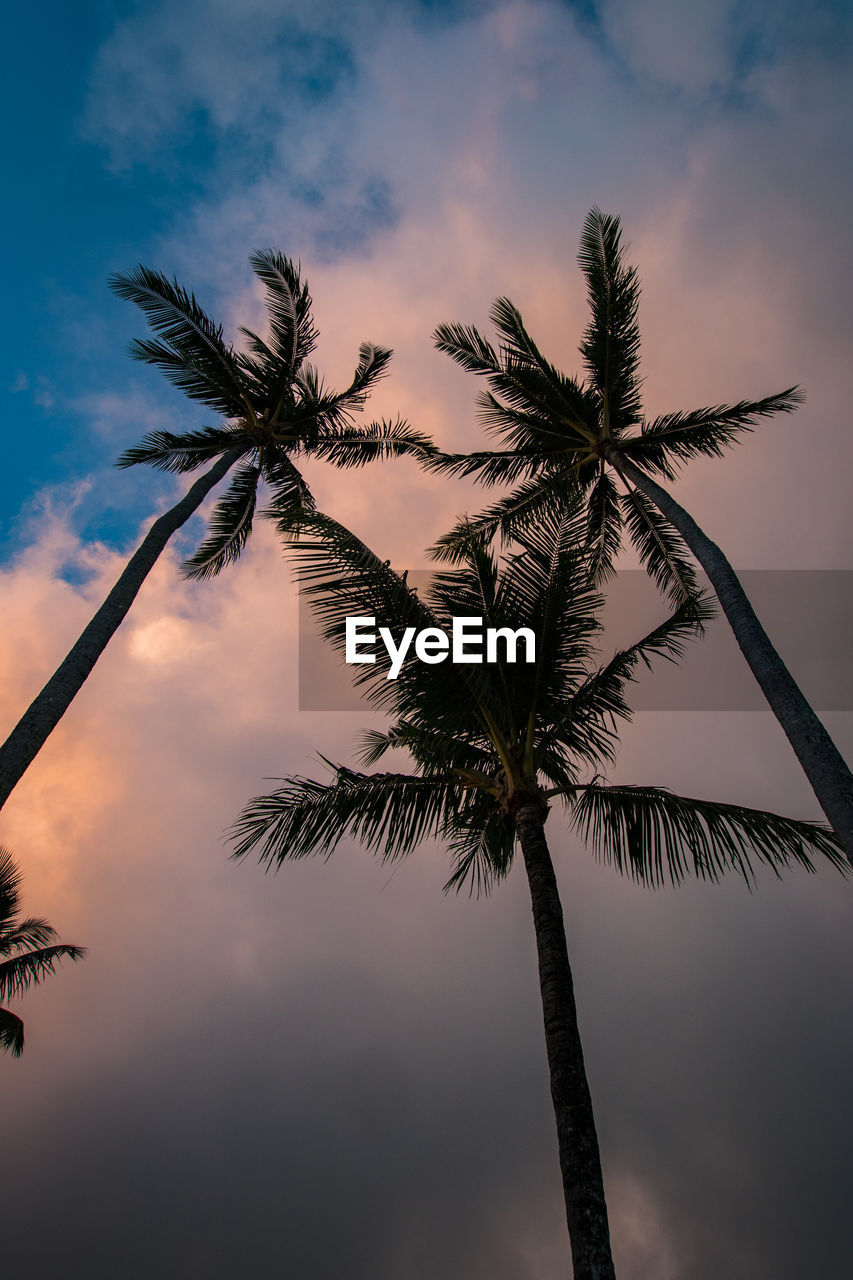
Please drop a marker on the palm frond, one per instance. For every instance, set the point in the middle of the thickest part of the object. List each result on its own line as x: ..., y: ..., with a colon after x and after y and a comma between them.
x: 290, y: 493
x: 342, y: 577
x: 520, y: 354
x: 229, y: 528
x: 676, y: 437
x: 27, y: 933
x: 503, y: 466
x: 468, y: 347
x: 185, y: 452
x: 517, y: 342
x: 192, y: 354
x: 11, y: 1033
x: 433, y: 750
x: 349, y: 446
x: 372, y: 365
x: 22, y: 971
x: 611, y: 342
x: 586, y: 726
x: 10, y: 886
x: 481, y: 848
x: 547, y: 586
x: 529, y: 430
x: 548, y: 494
x: 292, y: 333
x: 389, y: 813
x: 660, y: 547
x: 653, y: 835
x: 604, y: 526
x: 468, y: 590
x: 319, y: 412
x: 546, y: 406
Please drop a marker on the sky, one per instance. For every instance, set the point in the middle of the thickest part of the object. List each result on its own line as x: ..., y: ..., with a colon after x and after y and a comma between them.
x: 338, y: 1070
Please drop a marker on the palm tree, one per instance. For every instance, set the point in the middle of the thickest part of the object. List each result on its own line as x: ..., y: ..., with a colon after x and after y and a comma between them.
x: 492, y: 749
x: 275, y: 408
x: 562, y: 435
x: 24, y: 957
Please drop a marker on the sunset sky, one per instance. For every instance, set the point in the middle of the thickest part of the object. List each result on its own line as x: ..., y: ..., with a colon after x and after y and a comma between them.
x: 337, y: 1070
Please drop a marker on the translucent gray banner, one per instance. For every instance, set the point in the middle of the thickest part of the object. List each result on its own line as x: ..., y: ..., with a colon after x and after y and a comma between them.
x: 806, y: 612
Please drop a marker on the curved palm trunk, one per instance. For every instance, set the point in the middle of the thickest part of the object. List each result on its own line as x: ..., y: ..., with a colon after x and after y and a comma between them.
x: 822, y: 762
x: 580, y: 1162
x: 44, y: 713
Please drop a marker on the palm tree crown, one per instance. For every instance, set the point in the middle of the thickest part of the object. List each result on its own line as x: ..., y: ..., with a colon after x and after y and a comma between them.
x: 567, y: 439
x: 492, y: 747
x: 485, y: 738
x: 275, y: 409
x: 274, y: 402
x: 559, y: 432
x: 27, y: 953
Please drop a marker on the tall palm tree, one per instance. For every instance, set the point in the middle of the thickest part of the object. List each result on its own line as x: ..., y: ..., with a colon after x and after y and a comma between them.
x: 492, y: 749
x: 561, y: 435
x: 274, y: 408
x: 25, y: 958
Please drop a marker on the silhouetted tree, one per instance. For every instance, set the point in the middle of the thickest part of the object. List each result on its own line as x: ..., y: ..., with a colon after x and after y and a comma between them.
x: 493, y: 748
x: 566, y: 439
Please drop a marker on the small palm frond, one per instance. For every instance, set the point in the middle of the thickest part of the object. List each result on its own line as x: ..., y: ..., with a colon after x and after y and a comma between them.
x: 521, y: 355
x: 11, y: 1033
x: 677, y: 437
x: 604, y: 526
x: 547, y: 495
x: 547, y: 586
x: 517, y: 342
x: 655, y: 836
x: 10, y: 887
x: 26, y: 960
x: 470, y: 589
x: 25, y: 934
x: 290, y: 493
x: 552, y: 408
x: 319, y: 411
x: 660, y: 547
x: 229, y: 528
x: 481, y: 847
x: 375, y: 743
x: 530, y: 404
x: 530, y: 429
x: 313, y: 398
x: 432, y: 749
x: 292, y: 333
x: 22, y: 971
x: 343, y: 578
x: 192, y: 353
x: 611, y: 342
x: 389, y: 813
x: 468, y: 347
x: 372, y: 365
x: 348, y: 446
x: 586, y: 728
x: 503, y: 466
x: 180, y: 453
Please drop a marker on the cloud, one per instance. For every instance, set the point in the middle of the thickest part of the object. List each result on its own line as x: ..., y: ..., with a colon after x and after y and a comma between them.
x: 148, y: 77
x: 680, y: 48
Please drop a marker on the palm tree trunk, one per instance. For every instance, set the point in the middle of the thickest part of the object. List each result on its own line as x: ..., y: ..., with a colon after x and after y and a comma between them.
x: 44, y: 713
x: 580, y: 1161
x: 822, y: 762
